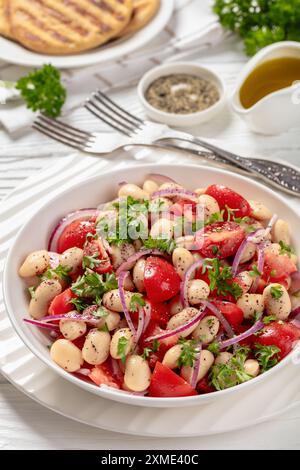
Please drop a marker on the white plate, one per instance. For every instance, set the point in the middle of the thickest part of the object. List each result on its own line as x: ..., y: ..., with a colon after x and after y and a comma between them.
x: 36, y: 380
x: 15, y: 53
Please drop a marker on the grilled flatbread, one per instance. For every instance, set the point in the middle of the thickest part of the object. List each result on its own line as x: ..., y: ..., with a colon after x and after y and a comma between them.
x: 67, y: 26
x: 143, y: 12
x: 5, y: 29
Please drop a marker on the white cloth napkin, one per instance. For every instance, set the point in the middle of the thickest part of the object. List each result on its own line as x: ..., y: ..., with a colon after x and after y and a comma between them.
x: 192, y: 28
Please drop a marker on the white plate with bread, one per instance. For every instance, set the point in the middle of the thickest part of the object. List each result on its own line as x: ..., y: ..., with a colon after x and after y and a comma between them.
x: 77, y: 33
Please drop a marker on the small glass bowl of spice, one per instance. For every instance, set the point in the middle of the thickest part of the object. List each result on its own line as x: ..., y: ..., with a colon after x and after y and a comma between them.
x: 181, y: 94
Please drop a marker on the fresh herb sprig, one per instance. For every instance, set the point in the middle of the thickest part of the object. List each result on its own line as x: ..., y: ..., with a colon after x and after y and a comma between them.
x: 221, y: 280
x: 267, y: 356
x: 232, y: 373
x: 42, y: 91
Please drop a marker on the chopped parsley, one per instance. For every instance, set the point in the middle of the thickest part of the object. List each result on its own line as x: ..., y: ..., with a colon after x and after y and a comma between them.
x: 60, y: 271
x: 79, y: 304
x: 286, y: 249
x: 188, y: 353
x: 136, y: 301
x: 101, y: 312
x: 232, y: 373
x: 122, y: 348
x: 104, y: 328
x: 230, y: 213
x: 276, y: 291
x: 160, y: 244
x: 255, y: 272
x: 221, y: 279
x: 94, y: 285
x: 92, y: 261
x: 31, y: 291
x: 214, y: 348
x: 268, y: 319
x: 267, y: 356
x: 147, y: 351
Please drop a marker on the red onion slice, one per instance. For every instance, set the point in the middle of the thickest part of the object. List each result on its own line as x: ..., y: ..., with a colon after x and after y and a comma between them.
x: 296, y: 323
x: 174, y: 192
x: 147, y: 312
x: 254, y: 329
x: 185, y: 283
x: 160, y: 178
x: 54, y: 259
x: 121, y: 280
x: 260, y: 266
x: 221, y: 318
x: 141, y: 325
x: 294, y: 313
x: 238, y: 256
x: 84, y: 372
x: 41, y: 324
x: 196, y: 367
x: 73, y: 316
x: 295, y: 284
x: 65, y: 221
x: 169, y: 333
x: 129, y: 264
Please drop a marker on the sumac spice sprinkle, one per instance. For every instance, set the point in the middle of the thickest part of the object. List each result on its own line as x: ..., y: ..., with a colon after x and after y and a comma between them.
x: 182, y: 94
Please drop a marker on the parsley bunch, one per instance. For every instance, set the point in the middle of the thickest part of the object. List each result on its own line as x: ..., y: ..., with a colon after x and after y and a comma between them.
x: 267, y: 356
x: 232, y: 373
x: 94, y: 285
x: 260, y: 22
x: 221, y: 279
x: 42, y: 91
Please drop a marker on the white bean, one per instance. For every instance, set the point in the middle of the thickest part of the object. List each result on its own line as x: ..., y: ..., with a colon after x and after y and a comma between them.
x: 251, y: 367
x: 150, y: 186
x: 169, y: 186
x: 182, y: 259
x: 35, y: 264
x: 114, y: 345
x: 162, y: 228
x: 66, y: 355
x: 138, y: 274
x: 245, y: 281
x: 276, y: 249
x: 112, y: 300
x: 96, y: 347
x: 251, y: 304
x: 248, y: 252
x: 134, y: 191
x: 200, y: 191
x: 108, y: 214
x: 175, y: 306
x: 260, y: 211
x: 210, y: 206
x: 181, y: 318
x: 207, y: 329
x: 72, y: 259
x: 281, y: 232
x: 197, y: 290
x: 128, y: 283
x: 185, y: 242
x: 206, y: 361
x: 42, y: 298
x: 171, y: 357
x: 112, y: 321
x: 121, y: 253
x: 223, y: 358
x: 71, y: 329
x: 280, y: 307
x: 137, y: 374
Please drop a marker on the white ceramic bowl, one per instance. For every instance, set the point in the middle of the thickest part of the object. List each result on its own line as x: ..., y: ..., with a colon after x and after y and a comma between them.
x: 181, y: 120
x: 89, y: 193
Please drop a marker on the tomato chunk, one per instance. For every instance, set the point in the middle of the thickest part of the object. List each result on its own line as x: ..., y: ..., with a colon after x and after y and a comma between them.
x: 161, y: 280
x: 277, y: 267
x: 227, y: 198
x: 233, y: 314
x: 96, y: 257
x: 221, y: 240
x: 103, y: 374
x: 62, y: 303
x: 282, y: 335
x: 166, y: 383
x: 75, y: 234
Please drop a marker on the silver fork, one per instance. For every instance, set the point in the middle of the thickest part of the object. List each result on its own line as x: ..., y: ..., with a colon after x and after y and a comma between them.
x: 283, y: 177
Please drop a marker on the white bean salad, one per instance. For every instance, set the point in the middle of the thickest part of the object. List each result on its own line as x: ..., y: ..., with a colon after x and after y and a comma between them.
x: 167, y: 292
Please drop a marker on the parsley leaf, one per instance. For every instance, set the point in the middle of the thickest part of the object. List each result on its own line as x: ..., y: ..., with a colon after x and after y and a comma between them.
x: 188, y: 353
x: 94, y: 285
x: 92, y: 261
x: 286, y: 249
x: 214, y: 348
x: 122, y: 349
x: 160, y: 244
x: 232, y: 373
x: 31, y: 291
x: 276, y: 291
x: 136, y: 301
x: 267, y: 356
x: 221, y: 279
x: 60, y: 271
x: 153, y: 349
x: 79, y: 304
x: 255, y: 272
x: 268, y: 319
x: 43, y: 91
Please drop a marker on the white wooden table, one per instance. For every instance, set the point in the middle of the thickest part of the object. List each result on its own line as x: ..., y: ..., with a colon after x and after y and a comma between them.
x: 25, y: 424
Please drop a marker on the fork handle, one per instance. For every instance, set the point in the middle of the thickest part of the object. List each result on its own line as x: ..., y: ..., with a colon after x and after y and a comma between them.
x: 280, y: 176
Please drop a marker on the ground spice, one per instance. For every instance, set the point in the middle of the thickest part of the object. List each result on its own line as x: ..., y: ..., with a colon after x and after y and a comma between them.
x: 182, y: 94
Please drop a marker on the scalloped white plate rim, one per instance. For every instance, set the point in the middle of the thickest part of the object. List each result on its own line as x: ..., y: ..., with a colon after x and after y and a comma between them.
x: 34, y: 180
x: 15, y: 53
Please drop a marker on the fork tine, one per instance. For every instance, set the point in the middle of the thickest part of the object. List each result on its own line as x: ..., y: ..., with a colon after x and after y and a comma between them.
x: 57, y: 135
x: 98, y: 112
x: 43, y: 130
x: 118, y: 110
x: 64, y: 126
x: 111, y: 114
x: 51, y: 126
